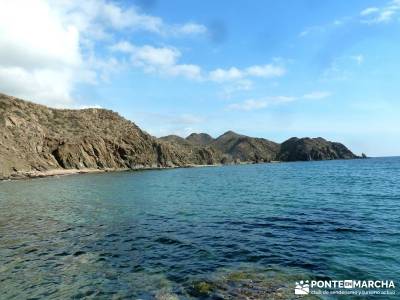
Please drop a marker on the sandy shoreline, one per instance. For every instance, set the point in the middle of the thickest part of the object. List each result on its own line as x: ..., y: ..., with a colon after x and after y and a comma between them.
x: 55, y: 172
x: 23, y: 175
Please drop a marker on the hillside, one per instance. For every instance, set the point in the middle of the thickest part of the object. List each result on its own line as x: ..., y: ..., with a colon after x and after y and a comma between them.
x: 296, y: 149
x: 200, y: 139
x: 304, y: 149
x: 197, y: 154
x: 245, y: 148
x: 36, y: 139
x: 235, y: 147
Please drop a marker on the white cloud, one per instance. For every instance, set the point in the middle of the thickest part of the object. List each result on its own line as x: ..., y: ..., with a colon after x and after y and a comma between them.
x: 47, y: 86
x: 52, y: 49
x: 233, y: 73
x: 341, y: 68
x: 129, y: 18
x: 315, y: 29
x: 249, y: 105
x: 98, y: 16
x: 385, y: 14
x: 124, y: 47
x: 165, y: 61
x: 368, y: 11
x: 41, y: 39
x: 101, y: 69
x: 154, y: 57
x: 189, y: 29
x: 383, y: 17
x: 161, y: 124
x: 185, y: 70
x: 338, y: 70
x: 220, y: 75
x: 237, y: 86
x: 266, y: 71
x: 281, y: 99
x: 370, y: 15
x: 48, y: 47
x: 161, y: 60
x: 256, y: 104
x: 316, y: 95
x: 38, y: 53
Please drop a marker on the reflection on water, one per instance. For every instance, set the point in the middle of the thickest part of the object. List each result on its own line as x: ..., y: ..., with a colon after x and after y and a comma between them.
x: 240, y: 232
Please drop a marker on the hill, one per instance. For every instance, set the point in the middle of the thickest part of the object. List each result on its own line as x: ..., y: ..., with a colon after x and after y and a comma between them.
x: 244, y: 148
x: 304, y: 149
x: 200, y: 139
x: 37, y: 140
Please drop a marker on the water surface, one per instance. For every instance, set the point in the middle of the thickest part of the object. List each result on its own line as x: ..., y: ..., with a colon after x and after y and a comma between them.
x: 201, y: 232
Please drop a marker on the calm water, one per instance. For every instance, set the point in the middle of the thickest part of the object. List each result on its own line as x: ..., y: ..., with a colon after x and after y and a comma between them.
x: 212, y: 233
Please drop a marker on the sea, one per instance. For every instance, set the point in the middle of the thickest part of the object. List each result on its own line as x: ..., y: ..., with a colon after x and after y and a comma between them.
x: 231, y: 232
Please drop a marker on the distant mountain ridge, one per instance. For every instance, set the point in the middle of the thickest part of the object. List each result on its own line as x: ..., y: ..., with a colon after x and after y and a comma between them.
x: 235, y: 148
x: 36, y: 140
x: 244, y: 148
x: 200, y: 139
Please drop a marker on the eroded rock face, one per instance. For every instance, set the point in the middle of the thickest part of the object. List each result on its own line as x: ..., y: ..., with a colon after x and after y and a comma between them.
x: 197, y: 154
x: 38, y: 138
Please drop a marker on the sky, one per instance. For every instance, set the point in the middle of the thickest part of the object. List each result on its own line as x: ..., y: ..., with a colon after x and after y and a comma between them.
x: 272, y: 69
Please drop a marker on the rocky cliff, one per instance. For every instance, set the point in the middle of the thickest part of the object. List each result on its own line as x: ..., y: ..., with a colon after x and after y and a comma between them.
x: 36, y: 139
x: 196, y: 154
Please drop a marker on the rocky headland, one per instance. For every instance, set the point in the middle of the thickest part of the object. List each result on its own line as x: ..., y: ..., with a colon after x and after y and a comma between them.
x: 39, y: 141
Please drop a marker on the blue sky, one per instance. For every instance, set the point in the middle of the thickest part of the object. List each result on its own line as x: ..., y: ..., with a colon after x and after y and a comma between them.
x: 272, y: 69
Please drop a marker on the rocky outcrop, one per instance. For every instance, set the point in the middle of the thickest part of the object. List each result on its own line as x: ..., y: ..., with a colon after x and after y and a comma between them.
x: 306, y: 149
x: 36, y: 139
x: 195, y: 153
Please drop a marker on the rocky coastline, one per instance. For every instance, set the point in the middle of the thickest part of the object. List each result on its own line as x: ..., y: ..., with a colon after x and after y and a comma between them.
x: 38, y: 141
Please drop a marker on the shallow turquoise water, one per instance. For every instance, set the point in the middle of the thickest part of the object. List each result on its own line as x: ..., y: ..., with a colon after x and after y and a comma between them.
x: 156, y: 234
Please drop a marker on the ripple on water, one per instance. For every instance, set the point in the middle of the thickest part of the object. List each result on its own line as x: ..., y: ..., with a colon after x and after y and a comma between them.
x: 199, y: 233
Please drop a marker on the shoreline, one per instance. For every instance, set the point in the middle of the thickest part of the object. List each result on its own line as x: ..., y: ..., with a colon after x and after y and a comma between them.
x: 26, y: 175
x: 23, y: 175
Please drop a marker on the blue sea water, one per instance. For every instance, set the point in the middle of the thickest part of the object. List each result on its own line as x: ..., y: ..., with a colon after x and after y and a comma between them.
x: 201, y: 233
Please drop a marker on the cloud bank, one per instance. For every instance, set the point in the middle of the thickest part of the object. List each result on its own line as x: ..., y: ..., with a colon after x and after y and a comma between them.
x: 51, y: 48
